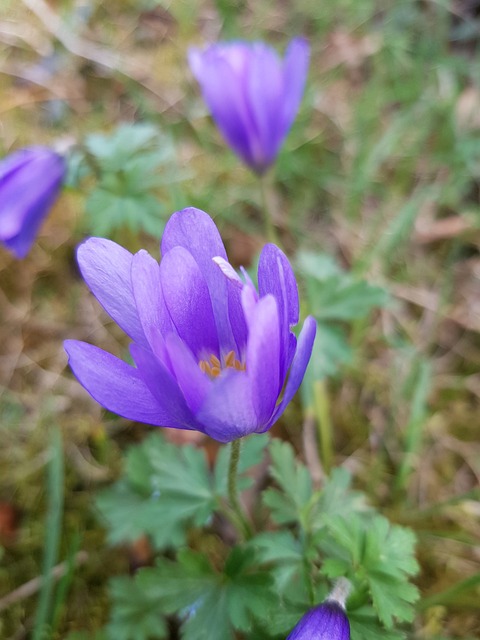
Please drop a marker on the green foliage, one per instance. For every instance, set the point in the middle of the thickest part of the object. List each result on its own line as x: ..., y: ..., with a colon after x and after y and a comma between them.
x: 334, y: 296
x: 356, y: 542
x: 276, y: 575
x: 210, y: 604
x: 131, y: 165
x: 135, y: 613
x: 165, y: 489
x: 295, y: 500
x: 383, y: 558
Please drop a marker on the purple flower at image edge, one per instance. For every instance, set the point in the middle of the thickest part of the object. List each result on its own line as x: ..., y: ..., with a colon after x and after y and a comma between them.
x: 327, y: 621
x: 30, y: 182
x: 211, y: 353
x: 253, y: 95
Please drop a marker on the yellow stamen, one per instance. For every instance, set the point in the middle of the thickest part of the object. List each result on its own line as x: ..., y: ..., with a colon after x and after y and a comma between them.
x: 213, y: 366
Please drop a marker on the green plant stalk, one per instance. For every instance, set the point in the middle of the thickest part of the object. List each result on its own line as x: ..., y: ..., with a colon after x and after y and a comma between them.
x: 270, y: 230
x: 239, y: 514
x: 65, y: 582
x: 324, y: 424
x: 414, y: 427
x: 52, y: 533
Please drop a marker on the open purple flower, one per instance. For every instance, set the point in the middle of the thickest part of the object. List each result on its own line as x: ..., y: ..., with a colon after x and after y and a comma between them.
x: 211, y: 353
x: 327, y: 621
x: 252, y: 94
x: 30, y: 181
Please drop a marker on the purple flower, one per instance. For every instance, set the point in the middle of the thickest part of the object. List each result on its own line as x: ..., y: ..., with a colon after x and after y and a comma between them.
x: 210, y: 352
x: 252, y: 94
x: 30, y: 181
x: 328, y: 621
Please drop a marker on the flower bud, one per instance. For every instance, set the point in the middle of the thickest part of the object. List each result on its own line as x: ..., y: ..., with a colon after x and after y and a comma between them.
x: 30, y: 181
x: 253, y: 94
x: 327, y: 621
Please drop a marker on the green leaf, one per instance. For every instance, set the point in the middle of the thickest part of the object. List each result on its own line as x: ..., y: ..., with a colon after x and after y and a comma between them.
x: 284, y: 553
x: 131, y: 165
x: 335, y: 294
x: 337, y: 498
x: 330, y: 351
x: 130, y: 515
x: 364, y: 625
x: 344, y: 298
x: 319, y: 266
x: 108, y: 210
x: 290, y: 502
x: 135, y: 613
x: 211, y: 605
x: 86, y: 635
x: 371, y: 550
x: 165, y: 489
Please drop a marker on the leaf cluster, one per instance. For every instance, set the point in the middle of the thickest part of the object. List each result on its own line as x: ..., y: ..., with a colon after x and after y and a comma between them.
x: 335, y: 298
x: 261, y: 586
x: 130, y: 167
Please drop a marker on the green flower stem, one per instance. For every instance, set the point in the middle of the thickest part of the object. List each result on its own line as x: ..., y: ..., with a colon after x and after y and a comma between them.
x: 239, y: 514
x: 266, y: 200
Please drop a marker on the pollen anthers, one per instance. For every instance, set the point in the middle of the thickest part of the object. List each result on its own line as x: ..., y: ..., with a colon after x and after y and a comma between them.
x: 214, y: 366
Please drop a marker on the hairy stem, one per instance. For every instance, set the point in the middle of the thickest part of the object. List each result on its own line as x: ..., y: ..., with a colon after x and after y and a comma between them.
x: 240, y: 517
x: 270, y: 229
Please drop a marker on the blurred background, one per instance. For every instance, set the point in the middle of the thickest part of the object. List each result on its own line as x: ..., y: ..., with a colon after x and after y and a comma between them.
x: 379, y: 178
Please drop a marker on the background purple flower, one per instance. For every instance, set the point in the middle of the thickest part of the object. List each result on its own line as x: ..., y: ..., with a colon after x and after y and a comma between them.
x: 328, y: 621
x: 211, y: 353
x: 252, y: 94
x: 30, y: 181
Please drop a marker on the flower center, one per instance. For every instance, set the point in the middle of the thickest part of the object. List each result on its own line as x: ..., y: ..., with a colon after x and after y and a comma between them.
x: 214, y: 367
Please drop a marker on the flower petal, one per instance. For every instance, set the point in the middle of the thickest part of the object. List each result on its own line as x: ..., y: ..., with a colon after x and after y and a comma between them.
x: 114, y: 384
x: 299, y: 365
x: 220, y: 71
x: 191, y: 380
x: 195, y: 231
x: 263, y: 358
x: 328, y: 621
x: 187, y: 299
x: 163, y: 388
x: 106, y: 268
x: 30, y: 181
x: 295, y: 72
x: 148, y: 295
x: 266, y: 96
x: 275, y: 276
x: 228, y: 412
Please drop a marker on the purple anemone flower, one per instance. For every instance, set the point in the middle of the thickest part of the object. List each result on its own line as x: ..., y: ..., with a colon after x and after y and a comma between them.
x: 327, y: 621
x: 210, y: 352
x: 252, y: 94
x: 30, y: 181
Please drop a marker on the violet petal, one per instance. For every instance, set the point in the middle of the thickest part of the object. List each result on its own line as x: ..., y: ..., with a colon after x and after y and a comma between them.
x: 148, y: 295
x: 195, y: 231
x: 114, y: 384
x: 193, y: 383
x: 187, y: 299
x: 262, y: 360
x: 164, y: 389
x: 299, y: 365
x: 30, y: 182
x: 228, y: 412
x: 106, y: 268
x: 327, y: 621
